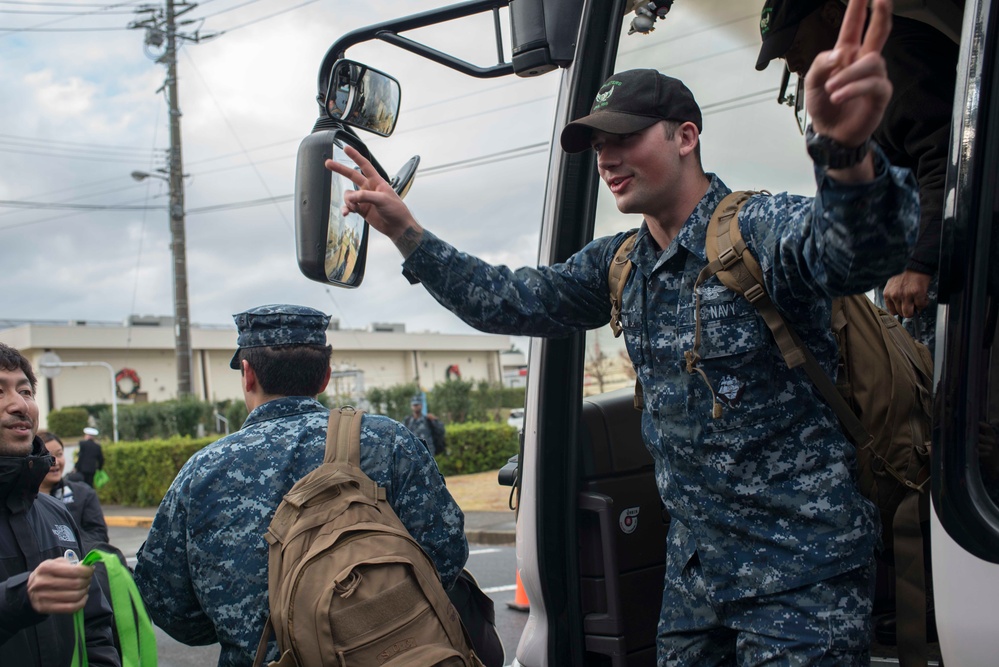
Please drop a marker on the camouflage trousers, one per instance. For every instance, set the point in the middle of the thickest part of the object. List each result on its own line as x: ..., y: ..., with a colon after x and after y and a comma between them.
x: 827, y: 623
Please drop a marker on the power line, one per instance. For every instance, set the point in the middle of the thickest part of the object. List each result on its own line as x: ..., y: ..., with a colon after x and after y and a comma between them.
x: 225, y: 118
x: 98, y: 5
x: 57, y: 12
x: 241, y: 204
x: 264, y: 18
x: 39, y: 205
x: 71, y: 199
x: 71, y: 156
x: 526, y: 150
x: 39, y: 27
x: 227, y: 9
x: 62, y: 142
x: 9, y: 31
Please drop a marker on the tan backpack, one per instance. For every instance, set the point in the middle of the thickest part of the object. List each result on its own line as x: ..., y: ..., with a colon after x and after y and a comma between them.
x: 882, y: 397
x: 348, y: 585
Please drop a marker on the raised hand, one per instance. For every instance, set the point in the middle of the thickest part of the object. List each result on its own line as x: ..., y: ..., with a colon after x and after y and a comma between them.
x: 377, y: 202
x: 847, y: 89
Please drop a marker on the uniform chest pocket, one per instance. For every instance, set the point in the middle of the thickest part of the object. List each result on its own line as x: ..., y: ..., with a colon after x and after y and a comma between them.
x: 734, y: 361
x: 634, y: 337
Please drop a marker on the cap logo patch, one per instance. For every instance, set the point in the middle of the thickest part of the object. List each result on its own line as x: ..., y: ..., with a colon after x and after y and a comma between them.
x: 603, y: 97
x: 765, y: 20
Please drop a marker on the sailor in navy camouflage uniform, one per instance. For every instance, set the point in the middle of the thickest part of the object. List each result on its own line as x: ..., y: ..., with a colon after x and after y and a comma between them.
x: 770, y: 551
x: 203, y: 569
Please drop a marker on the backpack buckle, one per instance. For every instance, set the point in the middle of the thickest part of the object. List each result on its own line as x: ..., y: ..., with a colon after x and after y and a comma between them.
x: 755, y: 292
x: 728, y: 257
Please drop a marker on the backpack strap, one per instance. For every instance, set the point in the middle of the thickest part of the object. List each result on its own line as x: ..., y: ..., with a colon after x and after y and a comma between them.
x: 617, y: 276
x: 737, y: 269
x: 343, y: 445
x: 731, y: 260
x: 343, y: 436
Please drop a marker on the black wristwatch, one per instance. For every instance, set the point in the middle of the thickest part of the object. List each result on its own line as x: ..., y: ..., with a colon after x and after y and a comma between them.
x: 831, y: 154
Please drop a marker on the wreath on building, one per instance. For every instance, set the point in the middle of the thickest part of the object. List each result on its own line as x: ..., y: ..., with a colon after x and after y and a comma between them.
x: 452, y: 372
x: 133, y: 377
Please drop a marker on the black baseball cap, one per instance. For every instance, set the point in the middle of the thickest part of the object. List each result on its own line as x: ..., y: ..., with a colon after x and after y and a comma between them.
x: 778, y: 25
x: 631, y: 101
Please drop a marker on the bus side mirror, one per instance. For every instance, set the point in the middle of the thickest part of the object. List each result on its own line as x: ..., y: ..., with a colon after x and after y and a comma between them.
x: 362, y: 97
x: 332, y: 247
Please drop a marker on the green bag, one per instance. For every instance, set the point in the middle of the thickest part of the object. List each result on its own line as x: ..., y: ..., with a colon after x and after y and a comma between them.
x: 135, y: 630
x: 101, y: 478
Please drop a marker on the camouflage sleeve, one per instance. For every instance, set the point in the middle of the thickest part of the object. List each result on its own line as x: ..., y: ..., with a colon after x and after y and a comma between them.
x: 846, y: 240
x: 545, y: 301
x: 162, y: 570
x: 415, y: 489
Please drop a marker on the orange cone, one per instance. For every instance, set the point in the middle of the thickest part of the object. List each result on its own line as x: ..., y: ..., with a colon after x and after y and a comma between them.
x: 520, y: 602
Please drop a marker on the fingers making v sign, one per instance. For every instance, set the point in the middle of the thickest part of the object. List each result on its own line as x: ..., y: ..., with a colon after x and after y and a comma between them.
x: 374, y: 199
x: 847, y: 89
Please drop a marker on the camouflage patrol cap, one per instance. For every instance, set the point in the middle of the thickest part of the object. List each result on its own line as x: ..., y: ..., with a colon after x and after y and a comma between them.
x: 631, y: 101
x: 277, y: 325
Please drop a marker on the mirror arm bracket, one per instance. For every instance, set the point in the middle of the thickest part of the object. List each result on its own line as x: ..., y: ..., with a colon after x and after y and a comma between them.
x: 431, y: 17
x: 395, y: 39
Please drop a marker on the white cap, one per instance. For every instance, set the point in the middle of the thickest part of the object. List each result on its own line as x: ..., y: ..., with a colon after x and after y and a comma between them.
x: 90, y: 430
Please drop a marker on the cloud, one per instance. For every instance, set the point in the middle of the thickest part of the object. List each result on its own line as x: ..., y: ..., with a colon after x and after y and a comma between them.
x: 87, y: 110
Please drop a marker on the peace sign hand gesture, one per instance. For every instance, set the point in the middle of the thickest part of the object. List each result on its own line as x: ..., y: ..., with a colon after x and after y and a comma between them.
x: 376, y: 202
x: 847, y: 89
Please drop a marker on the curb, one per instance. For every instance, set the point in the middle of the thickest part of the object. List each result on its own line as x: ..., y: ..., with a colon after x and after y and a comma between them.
x: 491, y: 537
x: 129, y: 521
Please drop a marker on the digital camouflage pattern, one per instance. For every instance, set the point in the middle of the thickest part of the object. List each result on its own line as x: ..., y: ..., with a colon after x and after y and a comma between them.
x: 203, y: 569
x: 830, y: 622
x: 764, y: 494
x: 279, y: 324
x: 420, y: 426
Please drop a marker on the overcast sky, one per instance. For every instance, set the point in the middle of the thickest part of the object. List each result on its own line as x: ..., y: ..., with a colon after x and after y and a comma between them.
x: 80, y: 111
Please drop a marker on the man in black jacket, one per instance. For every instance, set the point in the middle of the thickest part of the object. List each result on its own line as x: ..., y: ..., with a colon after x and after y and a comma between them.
x: 40, y: 586
x: 914, y: 132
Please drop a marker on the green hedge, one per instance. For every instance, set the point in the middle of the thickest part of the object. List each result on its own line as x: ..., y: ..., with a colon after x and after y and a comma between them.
x: 165, y: 419
x: 141, y: 472
x: 67, y: 422
x: 477, y: 447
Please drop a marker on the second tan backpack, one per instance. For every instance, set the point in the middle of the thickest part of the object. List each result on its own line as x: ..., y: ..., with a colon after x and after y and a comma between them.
x: 348, y: 585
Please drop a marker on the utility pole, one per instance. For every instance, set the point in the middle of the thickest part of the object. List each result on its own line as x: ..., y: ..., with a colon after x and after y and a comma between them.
x: 161, y: 27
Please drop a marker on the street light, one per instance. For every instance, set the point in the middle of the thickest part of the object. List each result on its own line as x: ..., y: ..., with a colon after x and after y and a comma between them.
x: 143, y: 175
x: 182, y: 322
x: 51, y: 365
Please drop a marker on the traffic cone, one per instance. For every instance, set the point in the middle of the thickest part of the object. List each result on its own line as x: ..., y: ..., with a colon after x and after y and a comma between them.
x: 520, y: 602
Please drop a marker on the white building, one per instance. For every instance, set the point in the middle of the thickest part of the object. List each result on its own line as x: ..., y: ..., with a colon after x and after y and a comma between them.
x: 385, y: 356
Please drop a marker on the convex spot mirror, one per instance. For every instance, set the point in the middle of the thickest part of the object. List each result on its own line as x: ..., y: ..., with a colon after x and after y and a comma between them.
x: 332, y: 247
x: 362, y: 97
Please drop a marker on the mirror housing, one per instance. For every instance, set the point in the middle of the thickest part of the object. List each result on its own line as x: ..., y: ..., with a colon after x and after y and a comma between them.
x: 331, y: 247
x: 362, y: 97
x: 544, y: 34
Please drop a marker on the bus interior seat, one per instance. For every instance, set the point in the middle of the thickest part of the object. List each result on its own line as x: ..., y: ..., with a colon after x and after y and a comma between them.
x: 622, y: 536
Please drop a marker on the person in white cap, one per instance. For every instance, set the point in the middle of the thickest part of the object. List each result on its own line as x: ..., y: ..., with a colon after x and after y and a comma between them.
x: 90, y: 456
